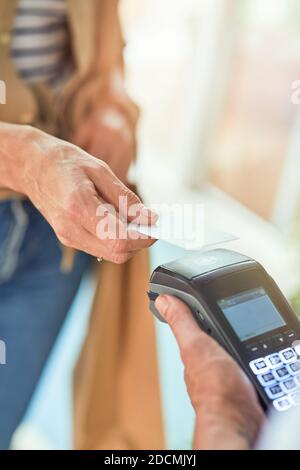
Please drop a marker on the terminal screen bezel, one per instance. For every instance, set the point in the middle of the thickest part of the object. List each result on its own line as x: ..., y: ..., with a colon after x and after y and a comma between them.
x: 221, y: 286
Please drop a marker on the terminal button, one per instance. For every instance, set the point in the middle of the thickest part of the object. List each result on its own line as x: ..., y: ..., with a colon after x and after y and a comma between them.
x: 266, y: 346
x: 253, y: 350
x: 273, y: 360
x: 295, y: 397
x: 259, y: 366
x: 281, y: 373
x: 294, y: 368
x: 288, y: 355
x: 279, y: 340
x: 275, y: 391
x: 282, y: 404
x: 290, y: 336
x: 267, y: 379
x: 289, y: 385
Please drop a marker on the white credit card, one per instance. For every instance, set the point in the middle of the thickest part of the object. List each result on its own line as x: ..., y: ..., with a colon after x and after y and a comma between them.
x: 184, y: 225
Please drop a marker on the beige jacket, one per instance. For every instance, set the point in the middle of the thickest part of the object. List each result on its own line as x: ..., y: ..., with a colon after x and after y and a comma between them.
x: 116, y: 394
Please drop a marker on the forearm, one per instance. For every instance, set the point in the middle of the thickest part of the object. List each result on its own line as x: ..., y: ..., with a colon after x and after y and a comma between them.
x: 15, y: 149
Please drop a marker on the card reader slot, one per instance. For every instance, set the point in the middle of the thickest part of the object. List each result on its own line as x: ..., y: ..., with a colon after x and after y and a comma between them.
x: 152, y: 296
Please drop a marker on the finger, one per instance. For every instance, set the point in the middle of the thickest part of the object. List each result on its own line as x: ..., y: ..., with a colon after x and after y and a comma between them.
x: 117, y: 237
x: 141, y: 242
x: 125, y: 201
x: 74, y: 235
x: 86, y: 209
x: 184, y: 327
x: 112, y: 249
x: 84, y: 241
x: 116, y: 233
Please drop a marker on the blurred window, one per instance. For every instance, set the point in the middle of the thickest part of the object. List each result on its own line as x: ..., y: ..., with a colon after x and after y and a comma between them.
x: 213, y: 78
x: 254, y: 136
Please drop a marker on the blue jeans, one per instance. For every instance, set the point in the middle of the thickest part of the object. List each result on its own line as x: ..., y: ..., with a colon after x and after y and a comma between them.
x: 35, y: 297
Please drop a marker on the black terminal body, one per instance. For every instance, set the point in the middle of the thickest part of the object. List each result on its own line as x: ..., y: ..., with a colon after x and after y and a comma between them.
x: 234, y: 300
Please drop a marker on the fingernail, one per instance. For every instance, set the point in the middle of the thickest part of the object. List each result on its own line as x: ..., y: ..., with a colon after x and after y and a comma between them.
x: 161, y: 303
x: 154, y: 216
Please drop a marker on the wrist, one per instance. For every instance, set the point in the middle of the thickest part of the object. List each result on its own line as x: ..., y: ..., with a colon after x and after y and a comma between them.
x: 217, y: 432
x: 16, y: 153
x: 115, y: 95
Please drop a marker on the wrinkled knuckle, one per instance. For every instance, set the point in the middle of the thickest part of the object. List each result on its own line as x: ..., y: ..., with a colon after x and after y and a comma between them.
x: 120, y: 258
x: 65, y: 149
x: 59, y: 230
x: 63, y: 230
x: 64, y: 241
x: 131, y: 198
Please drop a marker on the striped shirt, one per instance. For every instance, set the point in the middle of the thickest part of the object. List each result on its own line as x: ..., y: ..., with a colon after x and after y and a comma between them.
x: 40, y: 42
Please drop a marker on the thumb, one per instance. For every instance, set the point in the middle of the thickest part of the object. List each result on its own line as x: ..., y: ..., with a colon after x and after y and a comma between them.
x: 183, y: 325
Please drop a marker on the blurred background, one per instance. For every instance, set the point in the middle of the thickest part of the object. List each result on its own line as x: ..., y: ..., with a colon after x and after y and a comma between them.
x: 214, y: 80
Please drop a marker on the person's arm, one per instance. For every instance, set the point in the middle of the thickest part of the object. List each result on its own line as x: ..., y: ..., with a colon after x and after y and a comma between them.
x: 228, y: 415
x: 107, y: 128
x: 72, y: 189
x: 216, y: 432
x: 13, y: 141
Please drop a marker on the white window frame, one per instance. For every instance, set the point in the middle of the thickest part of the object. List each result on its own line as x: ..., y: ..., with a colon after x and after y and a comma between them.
x: 207, y: 89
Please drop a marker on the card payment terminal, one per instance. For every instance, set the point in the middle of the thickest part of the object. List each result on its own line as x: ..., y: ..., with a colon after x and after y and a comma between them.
x: 235, y: 301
